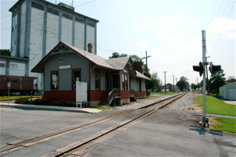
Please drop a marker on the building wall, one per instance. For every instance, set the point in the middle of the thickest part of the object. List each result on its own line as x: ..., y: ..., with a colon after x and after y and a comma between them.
x: 38, y: 28
x: 22, y: 29
x: 2, y: 66
x: 65, y: 75
x: 14, y: 34
x: 66, y: 29
x: 52, y: 31
x: 79, y: 33
x: 17, y: 68
x: 228, y: 91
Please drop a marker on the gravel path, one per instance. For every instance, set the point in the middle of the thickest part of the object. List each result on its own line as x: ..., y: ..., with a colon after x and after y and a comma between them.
x: 186, y: 103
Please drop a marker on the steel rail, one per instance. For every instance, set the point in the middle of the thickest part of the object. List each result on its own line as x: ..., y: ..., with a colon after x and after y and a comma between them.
x: 23, y: 143
x: 81, y: 147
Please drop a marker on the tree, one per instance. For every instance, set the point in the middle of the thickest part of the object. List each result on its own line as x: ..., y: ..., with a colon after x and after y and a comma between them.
x: 183, y: 84
x: 5, y: 52
x: 117, y: 55
x: 155, y: 83
x: 216, y: 81
x: 136, y: 58
x: 231, y: 79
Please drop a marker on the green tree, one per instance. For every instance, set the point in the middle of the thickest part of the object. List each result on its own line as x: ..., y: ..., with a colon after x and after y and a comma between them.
x: 117, y: 55
x: 183, y: 84
x: 136, y: 58
x: 5, y: 52
x: 216, y: 81
x: 155, y: 83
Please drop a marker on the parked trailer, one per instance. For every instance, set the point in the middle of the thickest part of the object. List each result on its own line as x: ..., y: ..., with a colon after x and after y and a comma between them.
x: 21, y: 84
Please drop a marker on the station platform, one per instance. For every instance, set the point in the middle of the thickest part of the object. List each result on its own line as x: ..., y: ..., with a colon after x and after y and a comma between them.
x: 11, y: 104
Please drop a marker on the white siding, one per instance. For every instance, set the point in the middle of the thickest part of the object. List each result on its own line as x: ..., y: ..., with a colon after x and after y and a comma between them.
x: 66, y: 31
x: 52, y: 31
x: 14, y: 36
x: 17, y: 69
x: 90, y: 36
x: 3, y: 68
x: 36, y: 37
x: 22, y: 30
x: 79, y: 35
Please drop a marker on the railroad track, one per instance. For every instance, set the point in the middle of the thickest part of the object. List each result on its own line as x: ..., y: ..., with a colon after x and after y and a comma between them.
x: 93, y: 141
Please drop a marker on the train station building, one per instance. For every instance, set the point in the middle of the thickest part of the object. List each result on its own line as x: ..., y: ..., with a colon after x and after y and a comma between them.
x: 107, y: 79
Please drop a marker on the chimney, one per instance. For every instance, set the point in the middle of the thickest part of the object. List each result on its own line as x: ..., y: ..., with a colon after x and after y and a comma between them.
x: 90, y: 47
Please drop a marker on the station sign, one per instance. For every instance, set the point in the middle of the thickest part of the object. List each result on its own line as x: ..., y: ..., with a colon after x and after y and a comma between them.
x: 65, y: 67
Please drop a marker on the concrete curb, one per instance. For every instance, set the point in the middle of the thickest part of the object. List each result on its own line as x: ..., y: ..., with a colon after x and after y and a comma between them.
x: 43, y: 107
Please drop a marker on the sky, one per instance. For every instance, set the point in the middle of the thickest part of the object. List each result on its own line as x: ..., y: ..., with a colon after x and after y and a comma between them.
x: 169, y: 30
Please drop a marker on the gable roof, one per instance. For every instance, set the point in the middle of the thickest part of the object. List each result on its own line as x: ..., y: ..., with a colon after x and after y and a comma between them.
x: 118, y: 63
x: 113, y: 64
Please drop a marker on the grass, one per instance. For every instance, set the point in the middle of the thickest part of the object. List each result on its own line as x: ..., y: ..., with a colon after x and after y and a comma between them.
x: 5, y: 98
x: 228, y: 124
x: 216, y: 106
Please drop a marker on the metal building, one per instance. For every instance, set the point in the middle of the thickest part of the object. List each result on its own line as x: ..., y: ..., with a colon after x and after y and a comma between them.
x: 38, y: 25
x: 228, y: 91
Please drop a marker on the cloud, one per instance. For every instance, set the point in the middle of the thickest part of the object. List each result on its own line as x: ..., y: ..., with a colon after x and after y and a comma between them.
x: 142, y: 45
x: 223, y: 26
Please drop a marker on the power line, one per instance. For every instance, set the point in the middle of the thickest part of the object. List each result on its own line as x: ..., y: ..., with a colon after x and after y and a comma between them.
x: 218, y: 24
x: 84, y: 3
x: 223, y: 26
x: 214, y: 21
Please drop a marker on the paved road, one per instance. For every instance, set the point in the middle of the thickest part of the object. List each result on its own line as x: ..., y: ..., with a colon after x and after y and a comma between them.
x: 166, y: 133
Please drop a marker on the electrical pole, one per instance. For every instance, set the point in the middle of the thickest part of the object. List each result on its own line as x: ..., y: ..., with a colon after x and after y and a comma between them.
x: 173, y: 83
x: 204, y: 118
x: 146, y: 71
x: 165, y: 80
x: 176, y: 85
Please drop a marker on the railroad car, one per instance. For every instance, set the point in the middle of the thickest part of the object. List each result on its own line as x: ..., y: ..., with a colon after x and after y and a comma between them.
x: 21, y: 84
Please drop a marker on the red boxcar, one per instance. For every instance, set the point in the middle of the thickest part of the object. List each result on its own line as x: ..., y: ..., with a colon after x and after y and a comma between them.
x: 24, y: 85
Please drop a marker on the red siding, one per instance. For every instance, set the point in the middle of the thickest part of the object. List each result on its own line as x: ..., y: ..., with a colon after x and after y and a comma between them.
x: 96, y: 95
x: 124, y: 94
x: 140, y: 94
x: 60, y: 95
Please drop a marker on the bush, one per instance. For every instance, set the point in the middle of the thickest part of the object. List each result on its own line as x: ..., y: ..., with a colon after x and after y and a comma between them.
x: 41, y: 102
x: 21, y: 100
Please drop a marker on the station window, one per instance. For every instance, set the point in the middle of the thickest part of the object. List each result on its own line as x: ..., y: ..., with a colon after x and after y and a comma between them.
x: 76, y: 74
x: 54, y: 80
x: 125, y: 81
x: 97, y: 79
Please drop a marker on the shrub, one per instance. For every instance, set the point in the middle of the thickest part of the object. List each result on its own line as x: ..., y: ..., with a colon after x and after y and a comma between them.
x: 21, y: 100
x: 41, y: 102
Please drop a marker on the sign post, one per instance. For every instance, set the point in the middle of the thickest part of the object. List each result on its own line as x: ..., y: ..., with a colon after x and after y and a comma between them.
x: 8, y: 86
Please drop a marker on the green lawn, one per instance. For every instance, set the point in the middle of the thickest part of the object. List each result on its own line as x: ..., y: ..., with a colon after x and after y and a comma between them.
x: 216, y: 106
x: 228, y: 124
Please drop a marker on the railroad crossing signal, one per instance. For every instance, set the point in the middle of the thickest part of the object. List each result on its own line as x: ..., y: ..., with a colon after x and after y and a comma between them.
x: 214, y: 68
x: 199, y: 68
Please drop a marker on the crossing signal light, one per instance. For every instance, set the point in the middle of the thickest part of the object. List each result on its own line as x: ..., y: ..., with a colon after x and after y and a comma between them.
x: 214, y: 68
x: 199, y: 68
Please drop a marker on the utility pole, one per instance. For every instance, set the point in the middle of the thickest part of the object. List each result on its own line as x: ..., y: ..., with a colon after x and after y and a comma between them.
x: 176, y: 85
x: 146, y: 71
x: 173, y: 83
x: 204, y: 118
x: 165, y: 80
